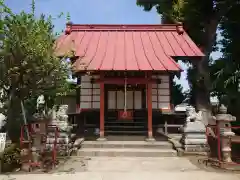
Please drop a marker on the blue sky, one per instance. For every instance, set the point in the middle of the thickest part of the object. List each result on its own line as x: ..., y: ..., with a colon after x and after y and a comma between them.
x: 90, y: 11
x: 95, y: 12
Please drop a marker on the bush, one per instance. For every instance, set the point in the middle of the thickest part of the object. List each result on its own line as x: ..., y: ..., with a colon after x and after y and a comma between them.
x: 10, y: 158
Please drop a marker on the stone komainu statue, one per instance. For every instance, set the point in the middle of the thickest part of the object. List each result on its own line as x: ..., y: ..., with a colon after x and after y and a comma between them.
x: 193, y: 137
x: 192, y: 115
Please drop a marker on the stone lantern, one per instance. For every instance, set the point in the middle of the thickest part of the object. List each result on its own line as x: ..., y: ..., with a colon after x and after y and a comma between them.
x: 30, y: 155
x: 39, y: 132
x: 223, y: 121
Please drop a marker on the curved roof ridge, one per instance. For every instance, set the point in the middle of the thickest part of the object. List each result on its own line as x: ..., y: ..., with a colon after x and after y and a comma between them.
x: 70, y: 27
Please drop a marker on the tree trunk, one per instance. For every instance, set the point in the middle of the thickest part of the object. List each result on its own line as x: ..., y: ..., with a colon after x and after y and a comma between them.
x: 204, y: 82
x: 203, y: 95
x: 14, y: 121
x: 25, y: 119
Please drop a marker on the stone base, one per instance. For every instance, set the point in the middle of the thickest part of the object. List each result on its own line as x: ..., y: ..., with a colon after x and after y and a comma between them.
x: 194, y: 136
x: 193, y: 141
x: 195, y: 148
x: 150, y: 139
x: 194, y: 127
x: 101, y: 139
x: 26, y: 167
x: 230, y: 166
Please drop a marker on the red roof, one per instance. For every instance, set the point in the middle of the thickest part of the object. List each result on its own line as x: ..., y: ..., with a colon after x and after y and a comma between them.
x: 127, y: 47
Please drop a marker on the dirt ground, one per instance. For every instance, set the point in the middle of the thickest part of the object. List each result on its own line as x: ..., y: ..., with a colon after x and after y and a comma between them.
x: 99, y: 168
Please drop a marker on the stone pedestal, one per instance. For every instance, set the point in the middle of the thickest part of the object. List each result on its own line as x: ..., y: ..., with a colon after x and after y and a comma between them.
x: 194, y: 133
x: 194, y: 137
x: 150, y: 139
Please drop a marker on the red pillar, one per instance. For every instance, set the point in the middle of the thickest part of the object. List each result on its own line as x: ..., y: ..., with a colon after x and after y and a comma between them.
x: 102, y: 108
x: 149, y: 107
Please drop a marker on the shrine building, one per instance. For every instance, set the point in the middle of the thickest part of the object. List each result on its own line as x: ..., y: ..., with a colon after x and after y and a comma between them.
x: 125, y: 74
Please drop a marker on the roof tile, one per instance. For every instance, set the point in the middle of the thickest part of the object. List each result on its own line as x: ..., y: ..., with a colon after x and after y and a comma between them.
x: 127, y: 47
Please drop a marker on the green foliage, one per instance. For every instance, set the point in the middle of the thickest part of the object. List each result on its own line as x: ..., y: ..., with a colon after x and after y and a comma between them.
x: 192, y: 78
x: 201, y: 20
x: 230, y: 27
x: 225, y: 71
x: 28, y: 64
x: 178, y: 96
x: 170, y: 10
x: 10, y: 158
x: 68, y: 17
x: 30, y: 67
x: 196, y: 15
x: 3, y: 10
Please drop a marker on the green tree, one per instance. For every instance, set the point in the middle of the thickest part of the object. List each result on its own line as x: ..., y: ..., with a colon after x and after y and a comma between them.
x: 225, y: 71
x: 201, y: 20
x: 178, y: 96
x: 29, y: 67
x: 192, y: 76
x: 3, y: 11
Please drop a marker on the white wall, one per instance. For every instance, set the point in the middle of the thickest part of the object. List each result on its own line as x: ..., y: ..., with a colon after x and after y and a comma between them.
x: 90, y: 95
x: 161, y: 93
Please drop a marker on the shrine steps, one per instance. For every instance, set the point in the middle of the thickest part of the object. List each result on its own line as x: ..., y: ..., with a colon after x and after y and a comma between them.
x: 125, y: 127
x: 127, y: 144
x: 126, y: 149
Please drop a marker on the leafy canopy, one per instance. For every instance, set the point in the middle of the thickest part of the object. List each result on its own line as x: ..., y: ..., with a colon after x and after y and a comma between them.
x: 196, y: 15
x: 225, y: 72
x: 201, y: 20
x: 28, y: 66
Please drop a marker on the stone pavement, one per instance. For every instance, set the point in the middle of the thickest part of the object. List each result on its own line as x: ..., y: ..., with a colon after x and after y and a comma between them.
x: 122, y: 168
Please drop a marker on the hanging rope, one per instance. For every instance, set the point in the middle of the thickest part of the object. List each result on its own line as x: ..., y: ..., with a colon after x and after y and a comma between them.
x: 124, y: 115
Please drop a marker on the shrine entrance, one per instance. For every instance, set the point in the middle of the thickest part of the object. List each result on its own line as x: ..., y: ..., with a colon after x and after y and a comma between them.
x: 134, y: 97
x: 125, y: 108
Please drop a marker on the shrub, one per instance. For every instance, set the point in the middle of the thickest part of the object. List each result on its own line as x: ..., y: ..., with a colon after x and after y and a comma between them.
x: 10, y: 158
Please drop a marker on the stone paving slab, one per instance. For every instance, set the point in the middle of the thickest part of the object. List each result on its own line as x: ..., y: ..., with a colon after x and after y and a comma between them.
x: 140, y: 164
x: 128, y: 168
x: 126, y: 152
x: 122, y: 164
x: 165, y: 175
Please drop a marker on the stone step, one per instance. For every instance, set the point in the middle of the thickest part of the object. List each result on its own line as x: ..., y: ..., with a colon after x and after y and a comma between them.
x: 125, y: 132
x: 126, y: 152
x: 127, y: 144
x: 125, y: 126
x: 125, y: 122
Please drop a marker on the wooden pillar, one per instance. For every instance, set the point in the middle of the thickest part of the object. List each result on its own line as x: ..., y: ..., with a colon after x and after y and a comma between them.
x: 78, y: 94
x: 171, y: 76
x: 102, y: 110
x: 78, y: 119
x: 149, y: 107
